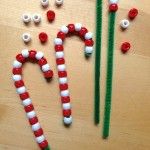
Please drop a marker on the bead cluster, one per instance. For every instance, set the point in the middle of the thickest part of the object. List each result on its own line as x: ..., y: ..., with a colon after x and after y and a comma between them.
x: 24, y: 95
x: 60, y: 61
x: 113, y: 7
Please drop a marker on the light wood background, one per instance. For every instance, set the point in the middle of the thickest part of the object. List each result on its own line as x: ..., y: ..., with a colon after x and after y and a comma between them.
x: 130, y: 120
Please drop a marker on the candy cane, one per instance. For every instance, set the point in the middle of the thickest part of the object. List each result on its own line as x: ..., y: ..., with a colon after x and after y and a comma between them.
x: 76, y: 29
x: 24, y: 95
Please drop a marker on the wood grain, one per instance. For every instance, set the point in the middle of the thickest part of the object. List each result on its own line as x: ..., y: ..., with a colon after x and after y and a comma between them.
x: 130, y: 121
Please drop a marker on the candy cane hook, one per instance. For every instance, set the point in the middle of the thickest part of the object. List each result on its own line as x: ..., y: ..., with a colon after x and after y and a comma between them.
x: 24, y: 95
x: 60, y: 61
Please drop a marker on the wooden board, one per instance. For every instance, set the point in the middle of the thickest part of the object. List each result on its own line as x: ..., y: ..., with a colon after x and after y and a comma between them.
x: 130, y: 120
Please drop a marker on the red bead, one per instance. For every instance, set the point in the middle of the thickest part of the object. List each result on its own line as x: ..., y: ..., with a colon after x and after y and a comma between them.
x: 63, y: 87
x: 67, y: 113
x: 83, y: 31
x: 71, y: 27
x: 133, y: 13
x: 113, y: 7
x: 19, y: 84
x: 24, y: 96
x: 43, y: 37
x: 17, y: 71
x: 20, y: 58
x: 125, y: 47
x: 65, y: 99
x: 38, y: 132
x: 48, y: 74
x: 32, y: 54
x: 60, y: 61
x: 61, y: 35
x: 43, y: 145
x: 89, y: 42
x: 33, y: 120
x: 59, y: 48
x: 50, y: 15
x: 62, y: 74
x: 29, y: 108
x: 42, y: 62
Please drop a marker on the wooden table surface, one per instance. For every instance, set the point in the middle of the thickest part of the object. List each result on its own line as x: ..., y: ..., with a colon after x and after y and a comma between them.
x: 130, y: 120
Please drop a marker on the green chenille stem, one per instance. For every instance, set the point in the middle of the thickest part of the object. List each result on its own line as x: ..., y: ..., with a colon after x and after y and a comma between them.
x: 98, y: 59
x: 47, y: 148
x: 110, y: 52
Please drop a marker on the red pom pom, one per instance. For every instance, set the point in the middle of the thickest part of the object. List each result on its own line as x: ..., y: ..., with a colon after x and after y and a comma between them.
x: 125, y: 47
x: 133, y: 13
x: 113, y: 7
x: 43, y: 37
x: 50, y: 15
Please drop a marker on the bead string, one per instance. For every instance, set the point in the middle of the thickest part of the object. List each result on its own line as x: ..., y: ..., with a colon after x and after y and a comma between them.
x: 108, y: 98
x: 76, y: 29
x: 24, y: 95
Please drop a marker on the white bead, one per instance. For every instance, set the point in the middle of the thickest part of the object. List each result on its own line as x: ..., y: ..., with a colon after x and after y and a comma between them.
x: 26, y: 18
x: 40, y: 139
x: 113, y: 1
x: 36, y: 18
x: 59, y: 2
x: 124, y: 23
x: 64, y: 29
x: 88, y: 49
x: 16, y: 77
x: 21, y: 90
x: 44, y: 3
x: 59, y: 54
x: 31, y: 114
x: 17, y: 64
x: 61, y: 67
x: 45, y: 67
x: 25, y: 53
x: 78, y: 26
x: 64, y: 93
x: 88, y: 35
x: 63, y: 80
x: 68, y: 120
x: 26, y: 102
x: 36, y: 127
x: 39, y: 55
x: 26, y: 37
x: 66, y: 106
x: 58, y: 41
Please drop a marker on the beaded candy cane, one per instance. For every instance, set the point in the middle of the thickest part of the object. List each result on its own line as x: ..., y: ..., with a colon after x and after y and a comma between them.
x: 24, y: 95
x: 62, y: 74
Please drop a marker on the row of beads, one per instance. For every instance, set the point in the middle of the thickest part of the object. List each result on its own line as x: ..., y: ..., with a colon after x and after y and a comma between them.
x: 61, y: 67
x: 24, y: 95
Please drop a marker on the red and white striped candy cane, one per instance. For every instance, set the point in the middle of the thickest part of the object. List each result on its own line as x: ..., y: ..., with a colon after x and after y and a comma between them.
x: 82, y: 32
x: 24, y: 95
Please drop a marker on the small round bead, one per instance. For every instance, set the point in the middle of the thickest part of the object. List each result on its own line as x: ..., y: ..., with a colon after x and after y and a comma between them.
x: 59, y: 48
x: 88, y: 35
x: 124, y: 23
x: 21, y: 90
x: 48, y: 74
x: 68, y: 120
x: 89, y: 49
x: 89, y: 42
x: 42, y: 62
x: 38, y: 132
x: 65, y: 99
x: 33, y: 120
x: 133, y: 13
x: 45, y: 3
x: 61, y: 35
x: 62, y: 74
x: 59, y: 54
x: 44, y: 145
x: 19, y: 84
x: 63, y: 80
x: 61, y: 67
x: 31, y: 114
x: 40, y: 139
x: 113, y: 1
x: 32, y: 54
x: 83, y: 31
x: 113, y: 7
x: 125, y: 47
x: 17, y: 71
x: 78, y: 26
x: 64, y: 93
x: 26, y: 102
x: 36, y: 126
x: 59, y: 2
x: 71, y: 28
x: 26, y: 37
x: 26, y: 18
x: 43, y: 37
x: 67, y: 113
x: 39, y: 55
x: 36, y: 18
x: 17, y: 64
x: 45, y: 67
x: 25, y: 53
x: 16, y: 77
x: 60, y: 61
x: 63, y: 87
x: 24, y: 96
x: 66, y: 106
x: 58, y: 41
x: 20, y: 58
x: 64, y: 29
x: 50, y: 15
x: 29, y: 108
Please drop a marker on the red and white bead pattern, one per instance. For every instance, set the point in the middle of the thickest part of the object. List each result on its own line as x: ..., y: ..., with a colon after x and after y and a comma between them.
x: 24, y: 95
x: 76, y: 29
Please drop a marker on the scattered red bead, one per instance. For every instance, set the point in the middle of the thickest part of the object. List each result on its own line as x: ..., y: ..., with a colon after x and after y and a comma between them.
x: 133, y: 13
x: 125, y: 47
x: 61, y: 35
x: 113, y: 7
x: 43, y: 37
x: 50, y: 15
